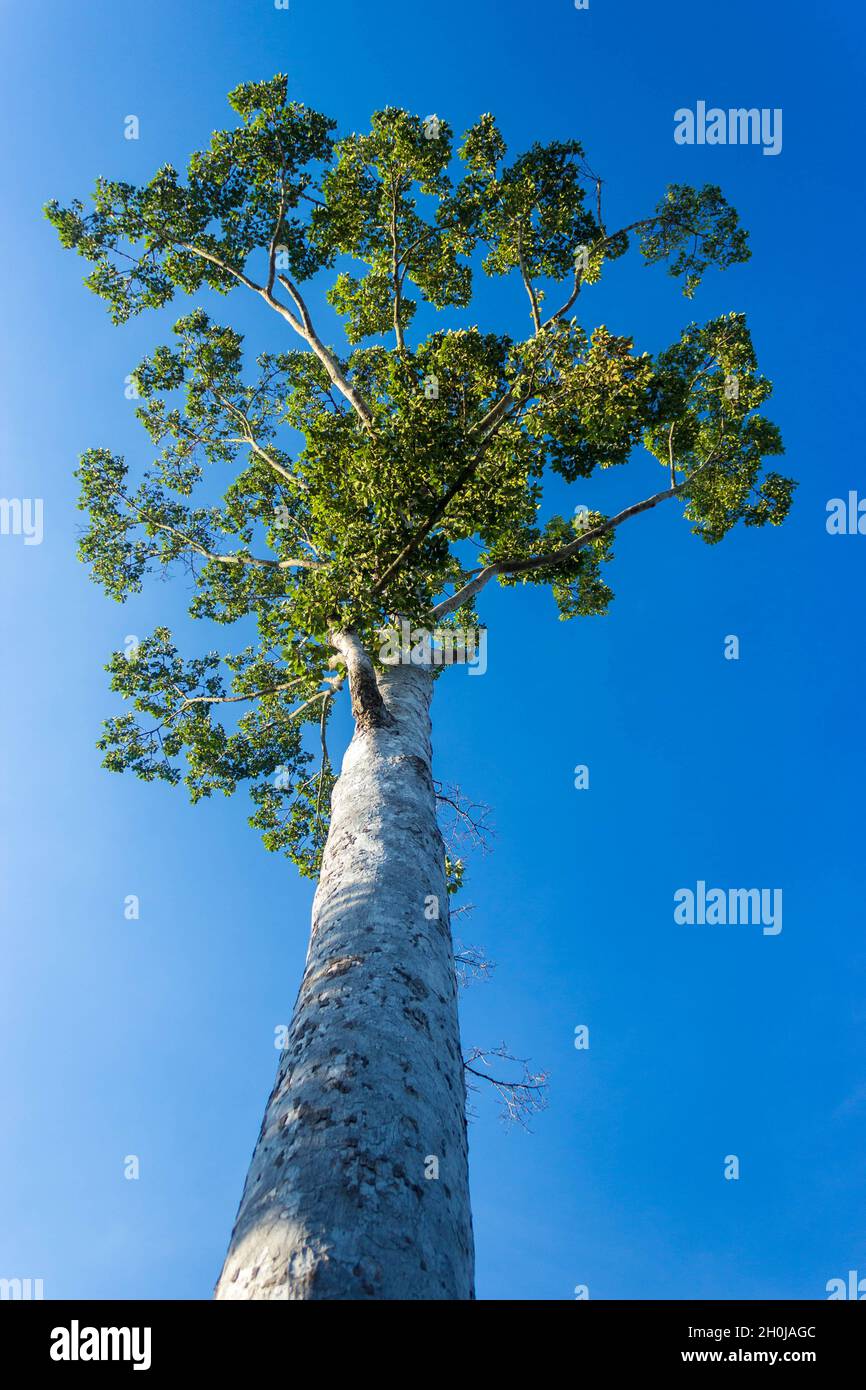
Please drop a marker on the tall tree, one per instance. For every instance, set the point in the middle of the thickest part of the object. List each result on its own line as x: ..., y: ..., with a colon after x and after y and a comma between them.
x: 356, y: 476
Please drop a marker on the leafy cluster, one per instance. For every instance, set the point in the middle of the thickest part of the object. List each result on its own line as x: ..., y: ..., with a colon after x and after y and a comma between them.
x: 322, y: 488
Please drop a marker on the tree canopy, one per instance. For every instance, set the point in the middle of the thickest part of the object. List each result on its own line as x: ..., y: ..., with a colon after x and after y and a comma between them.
x: 406, y: 448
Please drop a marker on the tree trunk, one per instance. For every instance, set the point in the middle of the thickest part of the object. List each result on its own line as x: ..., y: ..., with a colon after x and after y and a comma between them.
x: 358, y: 1186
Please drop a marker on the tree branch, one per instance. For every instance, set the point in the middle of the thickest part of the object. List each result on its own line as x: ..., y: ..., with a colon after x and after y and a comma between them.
x: 471, y: 962
x: 522, y: 564
x: 494, y: 417
x: 306, y: 330
x: 249, y: 439
x: 236, y: 699
x: 329, y: 695
x: 303, y: 327
x: 536, y: 320
x: 395, y: 270
x: 237, y: 558
x: 368, y: 707
x: 520, y: 1098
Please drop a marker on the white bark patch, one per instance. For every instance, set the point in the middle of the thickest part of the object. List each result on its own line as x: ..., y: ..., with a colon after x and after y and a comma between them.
x: 337, y: 1203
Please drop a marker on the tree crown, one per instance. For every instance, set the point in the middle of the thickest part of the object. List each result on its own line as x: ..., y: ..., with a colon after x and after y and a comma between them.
x: 406, y: 449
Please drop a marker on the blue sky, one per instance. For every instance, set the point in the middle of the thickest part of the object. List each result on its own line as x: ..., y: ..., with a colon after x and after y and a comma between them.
x: 155, y: 1037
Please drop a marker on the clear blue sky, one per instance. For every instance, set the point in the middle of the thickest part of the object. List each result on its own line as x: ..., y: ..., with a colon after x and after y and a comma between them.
x: 156, y: 1037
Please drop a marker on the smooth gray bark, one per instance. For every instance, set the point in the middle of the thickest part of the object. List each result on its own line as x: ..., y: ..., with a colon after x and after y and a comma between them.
x: 340, y: 1201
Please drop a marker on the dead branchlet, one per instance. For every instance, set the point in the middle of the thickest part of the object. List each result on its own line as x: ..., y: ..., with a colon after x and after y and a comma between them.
x: 521, y: 1097
x: 464, y: 823
x: 470, y: 962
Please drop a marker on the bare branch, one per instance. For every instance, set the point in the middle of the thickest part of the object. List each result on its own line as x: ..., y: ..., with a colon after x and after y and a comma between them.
x: 462, y: 909
x: 521, y: 1097
x: 468, y: 822
x: 471, y: 963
